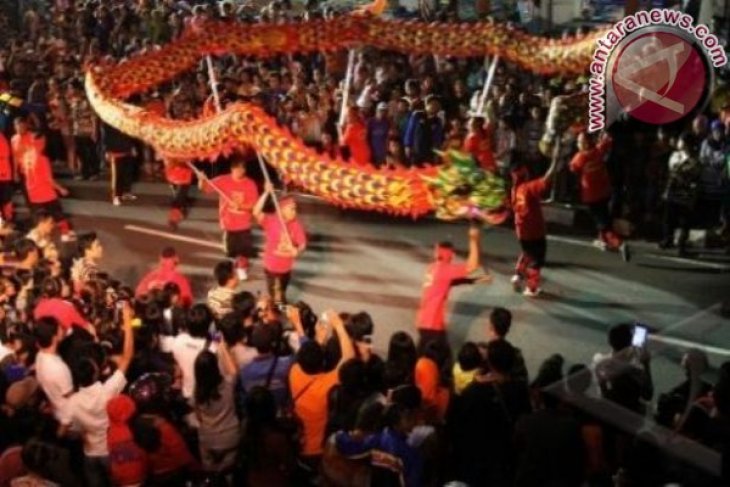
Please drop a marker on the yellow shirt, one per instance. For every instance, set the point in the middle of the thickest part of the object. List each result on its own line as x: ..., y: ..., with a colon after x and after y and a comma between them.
x: 462, y: 379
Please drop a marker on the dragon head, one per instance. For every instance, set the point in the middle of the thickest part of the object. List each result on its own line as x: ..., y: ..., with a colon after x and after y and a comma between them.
x: 461, y: 189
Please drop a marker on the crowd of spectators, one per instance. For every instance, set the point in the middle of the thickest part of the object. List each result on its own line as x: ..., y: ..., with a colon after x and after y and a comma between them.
x: 103, y: 384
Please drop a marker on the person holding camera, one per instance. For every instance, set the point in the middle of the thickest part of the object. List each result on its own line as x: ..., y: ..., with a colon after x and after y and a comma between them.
x: 624, y: 375
x: 310, y: 385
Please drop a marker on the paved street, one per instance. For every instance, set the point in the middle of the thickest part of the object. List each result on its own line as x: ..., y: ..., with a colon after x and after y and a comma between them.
x: 358, y: 261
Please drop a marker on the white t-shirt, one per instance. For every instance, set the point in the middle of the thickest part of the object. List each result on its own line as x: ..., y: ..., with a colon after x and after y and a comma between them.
x: 87, y: 409
x: 185, y: 349
x: 4, y: 352
x: 54, y: 376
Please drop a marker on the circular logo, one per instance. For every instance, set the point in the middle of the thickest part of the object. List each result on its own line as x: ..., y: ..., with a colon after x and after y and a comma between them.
x: 658, y: 77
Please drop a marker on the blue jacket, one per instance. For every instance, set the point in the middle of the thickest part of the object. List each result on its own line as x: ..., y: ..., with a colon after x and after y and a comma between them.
x: 423, y: 136
x: 388, y: 450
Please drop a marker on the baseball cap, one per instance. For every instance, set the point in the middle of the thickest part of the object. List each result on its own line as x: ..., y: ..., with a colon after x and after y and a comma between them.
x: 717, y: 125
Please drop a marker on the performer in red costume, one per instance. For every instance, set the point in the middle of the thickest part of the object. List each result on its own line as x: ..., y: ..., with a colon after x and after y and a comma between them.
x: 284, y: 240
x: 237, y: 195
x: 179, y: 176
x: 526, y: 200
x: 440, y: 277
x: 595, y: 189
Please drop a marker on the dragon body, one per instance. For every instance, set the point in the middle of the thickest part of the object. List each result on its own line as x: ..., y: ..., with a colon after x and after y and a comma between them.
x: 448, y: 190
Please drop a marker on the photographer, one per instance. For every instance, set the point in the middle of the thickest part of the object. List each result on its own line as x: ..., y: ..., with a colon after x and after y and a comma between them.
x: 624, y: 376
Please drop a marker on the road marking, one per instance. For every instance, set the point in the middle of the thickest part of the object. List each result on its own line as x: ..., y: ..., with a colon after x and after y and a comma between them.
x: 572, y: 241
x: 174, y: 236
x: 668, y: 258
x: 694, y: 262
x: 679, y: 342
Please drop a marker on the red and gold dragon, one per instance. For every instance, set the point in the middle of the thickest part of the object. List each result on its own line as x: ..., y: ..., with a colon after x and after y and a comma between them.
x: 450, y: 191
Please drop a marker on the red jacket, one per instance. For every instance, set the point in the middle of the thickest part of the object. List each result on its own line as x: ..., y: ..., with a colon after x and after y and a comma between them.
x: 128, y: 463
x: 6, y: 166
x: 595, y: 183
x: 527, y: 208
x: 164, y: 274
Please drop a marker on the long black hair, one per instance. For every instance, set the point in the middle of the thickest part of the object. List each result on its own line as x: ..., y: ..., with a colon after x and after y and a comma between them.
x: 208, y: 378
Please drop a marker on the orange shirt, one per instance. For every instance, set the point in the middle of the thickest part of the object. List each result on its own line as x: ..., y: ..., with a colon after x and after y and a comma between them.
x: 355, y: 138
x: 310, y: 405
x: 427, y: 380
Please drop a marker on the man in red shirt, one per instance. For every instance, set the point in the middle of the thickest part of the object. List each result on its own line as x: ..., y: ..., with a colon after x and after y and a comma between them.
x: 33, y: 165
x: 235, y: 215
x: 6, y: 180
x: 441, y: 275
x: 595, y: 189
x: 284, y: 241
x: 166, y: 273
x: 179, y: 176
x: 526, y: 200
x: 477, y: 144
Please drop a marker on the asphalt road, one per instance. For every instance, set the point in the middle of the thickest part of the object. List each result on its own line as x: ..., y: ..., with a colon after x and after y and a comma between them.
x: 357, y: 261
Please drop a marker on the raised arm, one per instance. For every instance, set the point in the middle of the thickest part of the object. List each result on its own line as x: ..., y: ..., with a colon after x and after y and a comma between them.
x: 473, y: 261
x: 343, y: 338
x: 258, y: 208
x: 553, y: 169
x: 128, y: 347
x: 228, y: 365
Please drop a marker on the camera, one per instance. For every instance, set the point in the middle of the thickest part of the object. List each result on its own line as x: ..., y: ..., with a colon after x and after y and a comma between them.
x: 640, y: 333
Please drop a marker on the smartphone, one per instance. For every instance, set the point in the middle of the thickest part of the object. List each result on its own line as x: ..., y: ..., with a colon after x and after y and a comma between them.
x: 323, y: 318
x: 640, y: 333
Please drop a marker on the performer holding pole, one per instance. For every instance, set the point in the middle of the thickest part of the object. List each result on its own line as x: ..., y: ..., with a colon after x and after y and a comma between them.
x: 179, y: 176
x: 284, y: 240
x: 530, y: 227
x: 237, y: 196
